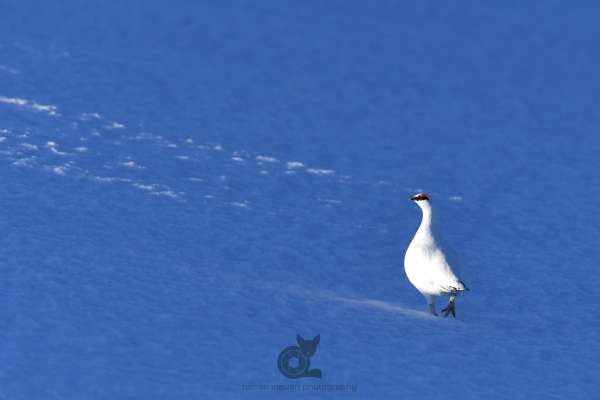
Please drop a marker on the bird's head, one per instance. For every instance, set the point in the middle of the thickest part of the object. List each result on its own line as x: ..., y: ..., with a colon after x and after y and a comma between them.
x: 421, y: 199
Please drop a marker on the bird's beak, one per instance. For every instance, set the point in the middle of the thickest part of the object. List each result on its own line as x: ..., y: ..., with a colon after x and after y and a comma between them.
x: 413, y: 198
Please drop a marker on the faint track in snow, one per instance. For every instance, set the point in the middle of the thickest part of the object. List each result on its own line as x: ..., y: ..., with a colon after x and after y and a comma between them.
x: 378, y: 305
x: 316, y: 295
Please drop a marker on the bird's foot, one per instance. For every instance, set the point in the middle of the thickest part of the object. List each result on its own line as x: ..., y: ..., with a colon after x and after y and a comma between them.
x: 450, y: 309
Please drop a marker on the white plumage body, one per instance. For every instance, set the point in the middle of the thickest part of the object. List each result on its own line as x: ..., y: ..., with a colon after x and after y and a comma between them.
x: 427, y: 269
x: 425, y: 263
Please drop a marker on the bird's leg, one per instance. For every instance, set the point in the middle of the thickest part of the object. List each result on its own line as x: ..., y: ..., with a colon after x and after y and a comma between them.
x: 450, y: 308
x: 432, y: 309
x: 430, y: 303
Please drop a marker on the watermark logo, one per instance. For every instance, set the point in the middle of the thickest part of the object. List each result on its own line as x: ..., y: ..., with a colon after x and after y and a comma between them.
x: 294, y: 361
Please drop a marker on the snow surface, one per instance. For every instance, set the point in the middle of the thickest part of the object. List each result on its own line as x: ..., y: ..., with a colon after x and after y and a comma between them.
x: 186, y: 186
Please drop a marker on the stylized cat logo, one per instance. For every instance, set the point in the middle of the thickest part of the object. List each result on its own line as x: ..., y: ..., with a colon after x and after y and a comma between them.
x: 302, y: 352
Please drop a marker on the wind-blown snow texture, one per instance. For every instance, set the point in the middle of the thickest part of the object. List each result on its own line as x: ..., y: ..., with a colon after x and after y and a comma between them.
x: 186, y: 186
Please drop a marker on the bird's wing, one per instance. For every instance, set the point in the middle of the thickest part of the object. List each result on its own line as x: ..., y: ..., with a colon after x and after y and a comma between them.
x: 441, y: 274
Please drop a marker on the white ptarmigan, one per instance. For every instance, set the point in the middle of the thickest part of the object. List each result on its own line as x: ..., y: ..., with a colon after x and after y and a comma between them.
x: 426, y: 266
